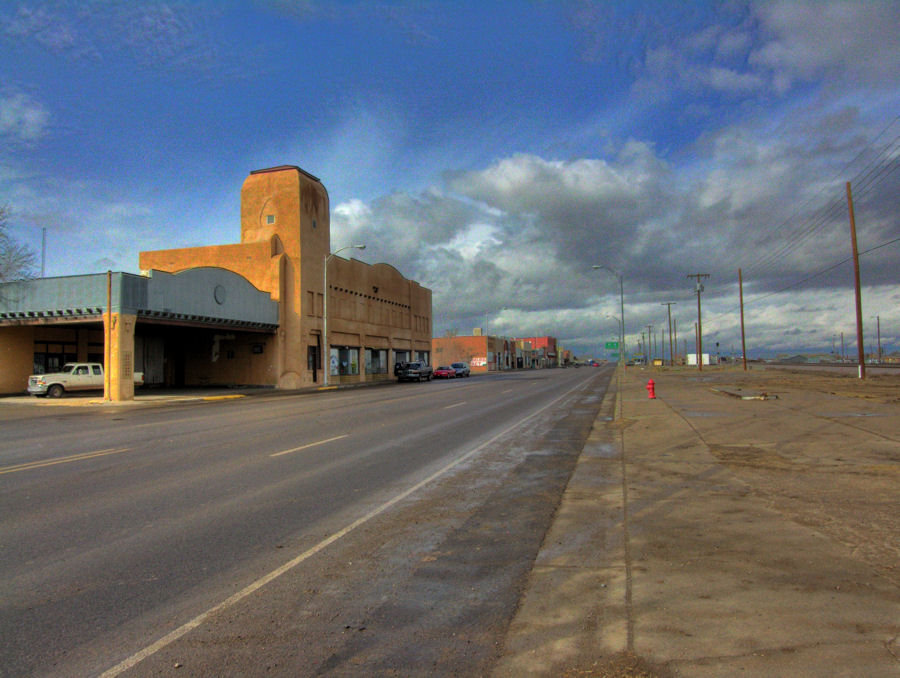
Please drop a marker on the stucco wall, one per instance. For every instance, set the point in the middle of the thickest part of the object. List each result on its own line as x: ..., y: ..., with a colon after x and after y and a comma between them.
x: 285, y: 238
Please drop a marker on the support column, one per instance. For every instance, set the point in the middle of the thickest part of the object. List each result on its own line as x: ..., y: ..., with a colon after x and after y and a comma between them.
x: 16, y: 357
x: 120, y: 334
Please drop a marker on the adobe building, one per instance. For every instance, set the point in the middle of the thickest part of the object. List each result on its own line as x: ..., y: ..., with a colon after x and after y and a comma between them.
x: 244, y: 314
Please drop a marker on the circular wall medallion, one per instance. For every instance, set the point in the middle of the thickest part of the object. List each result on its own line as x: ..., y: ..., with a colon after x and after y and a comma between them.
x: 219, y: 294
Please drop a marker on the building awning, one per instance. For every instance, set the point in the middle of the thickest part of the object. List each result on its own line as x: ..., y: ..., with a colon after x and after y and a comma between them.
x: 207, y: 296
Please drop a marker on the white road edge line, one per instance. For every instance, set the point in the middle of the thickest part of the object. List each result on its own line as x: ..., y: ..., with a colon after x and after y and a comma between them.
x: 182, y: 630
x: 455, y: 405
x: 303, y: 447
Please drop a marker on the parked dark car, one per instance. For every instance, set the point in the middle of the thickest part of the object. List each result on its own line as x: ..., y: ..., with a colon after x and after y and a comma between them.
x: 415, y: 370
x: 445, y: 372
x: 461, y: 369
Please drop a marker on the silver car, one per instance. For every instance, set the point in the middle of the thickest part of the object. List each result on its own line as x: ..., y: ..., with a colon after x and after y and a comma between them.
x: 462, y: 369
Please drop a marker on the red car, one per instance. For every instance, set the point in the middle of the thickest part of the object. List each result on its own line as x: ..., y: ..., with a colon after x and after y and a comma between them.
x: 444, y: 372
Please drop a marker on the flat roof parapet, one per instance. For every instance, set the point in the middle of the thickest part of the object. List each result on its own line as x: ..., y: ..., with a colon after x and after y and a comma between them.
x: 282, y: 168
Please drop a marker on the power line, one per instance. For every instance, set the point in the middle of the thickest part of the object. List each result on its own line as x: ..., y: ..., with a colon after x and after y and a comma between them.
x: 806, y: 279
x: 873, y: 174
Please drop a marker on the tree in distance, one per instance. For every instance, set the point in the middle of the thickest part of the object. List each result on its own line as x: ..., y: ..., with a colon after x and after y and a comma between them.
x: 17, y: 261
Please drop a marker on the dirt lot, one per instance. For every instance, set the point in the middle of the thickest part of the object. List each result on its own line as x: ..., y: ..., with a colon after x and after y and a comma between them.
x: 884, y: 388
x: 835, y: 466
x: 709, y: 532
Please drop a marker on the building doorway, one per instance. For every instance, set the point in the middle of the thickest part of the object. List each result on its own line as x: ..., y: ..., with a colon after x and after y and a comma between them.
x: 312, y: 361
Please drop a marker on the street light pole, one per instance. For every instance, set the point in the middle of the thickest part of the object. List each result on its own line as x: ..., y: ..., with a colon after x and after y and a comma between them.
x: 326, y: 361
x: 619, y: 323
x: 670, y: 304
x: 699, y: 277
x: 621, y: 310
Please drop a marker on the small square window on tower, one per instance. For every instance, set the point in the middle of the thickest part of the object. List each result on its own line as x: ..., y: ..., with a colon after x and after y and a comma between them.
x: 270, y: 218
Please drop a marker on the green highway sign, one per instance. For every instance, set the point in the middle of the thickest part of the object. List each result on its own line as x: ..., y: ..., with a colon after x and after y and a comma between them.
x: 612, y: 344
x: 613, y: 355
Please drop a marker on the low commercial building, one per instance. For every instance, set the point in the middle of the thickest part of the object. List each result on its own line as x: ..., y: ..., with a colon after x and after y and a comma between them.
x: 546, y: 348
x: 251, y: 313
x: 488, y: 353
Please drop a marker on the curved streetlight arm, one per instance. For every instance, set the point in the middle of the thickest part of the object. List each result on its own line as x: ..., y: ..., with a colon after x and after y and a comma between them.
x: 326, y: 359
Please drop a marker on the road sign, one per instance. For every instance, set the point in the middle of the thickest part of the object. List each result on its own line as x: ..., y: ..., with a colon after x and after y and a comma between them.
x: 612, y: 344
x: 613, y: 355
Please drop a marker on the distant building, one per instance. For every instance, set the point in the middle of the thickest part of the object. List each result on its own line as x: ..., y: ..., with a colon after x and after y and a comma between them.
x: 488, y: 353
x: 546, y: 345
x: 483, y: 353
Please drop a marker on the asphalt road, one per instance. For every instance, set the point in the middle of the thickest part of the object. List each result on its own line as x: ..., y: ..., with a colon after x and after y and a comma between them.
x: 369, y: 531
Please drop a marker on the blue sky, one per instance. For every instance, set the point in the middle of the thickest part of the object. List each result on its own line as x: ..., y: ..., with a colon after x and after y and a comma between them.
x: 493, y: 151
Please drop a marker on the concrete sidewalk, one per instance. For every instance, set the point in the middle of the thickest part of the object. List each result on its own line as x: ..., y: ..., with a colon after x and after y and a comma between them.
x: 705, y: 535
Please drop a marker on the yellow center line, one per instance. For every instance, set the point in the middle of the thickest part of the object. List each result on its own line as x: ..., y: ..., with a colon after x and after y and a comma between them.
x: 303, y: 447
x: 62, y: 460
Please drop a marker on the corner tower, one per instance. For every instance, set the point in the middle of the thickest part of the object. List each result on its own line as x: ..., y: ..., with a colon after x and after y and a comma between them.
x: 287, y: 202
x: 292, y: 205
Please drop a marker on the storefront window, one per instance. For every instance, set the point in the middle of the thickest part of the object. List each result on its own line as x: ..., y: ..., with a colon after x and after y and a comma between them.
x: 424, y: 356
x: 376, y: 361
x: 344, y: 361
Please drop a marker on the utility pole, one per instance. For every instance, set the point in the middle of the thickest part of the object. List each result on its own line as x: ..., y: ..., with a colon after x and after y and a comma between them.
x: 675, y: 331
x: 699, y: 277
x: 843, y: 355
x: 878, y: 320
x: 650, y: 341
x: 621, y: 310
x: 859, y: 324
x: 669, y: 305
x: 697, y: 345
x: 743, y: 340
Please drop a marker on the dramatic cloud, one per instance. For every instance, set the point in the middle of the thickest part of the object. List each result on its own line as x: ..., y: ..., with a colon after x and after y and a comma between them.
x: 513, y: 244
x: 847, y: 41
x: 154, y: 34
x: 22, y: 118
x: 494, y: 155
x: 48, y: 28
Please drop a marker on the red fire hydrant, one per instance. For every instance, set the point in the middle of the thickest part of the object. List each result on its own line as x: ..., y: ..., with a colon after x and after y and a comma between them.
x: 651, y: 390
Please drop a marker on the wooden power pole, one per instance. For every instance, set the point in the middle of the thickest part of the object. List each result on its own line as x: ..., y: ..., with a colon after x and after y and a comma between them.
x: 669, y: 305
x: 743, y: 340
x: 859, y: 323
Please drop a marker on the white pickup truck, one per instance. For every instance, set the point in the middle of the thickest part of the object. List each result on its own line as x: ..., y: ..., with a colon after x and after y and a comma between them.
x: 72, y: 377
